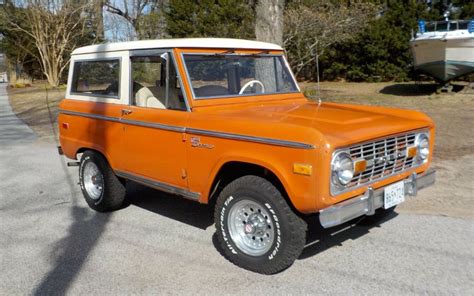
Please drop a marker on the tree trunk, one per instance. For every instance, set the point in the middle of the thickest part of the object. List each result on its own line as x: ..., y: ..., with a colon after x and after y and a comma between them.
x: 99, y: 19
x: 269, y: 21
x: 268, y: 28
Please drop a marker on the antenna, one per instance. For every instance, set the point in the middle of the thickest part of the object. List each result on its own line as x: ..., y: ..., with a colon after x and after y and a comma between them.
x: 447, y: 12
x: 317, y: 74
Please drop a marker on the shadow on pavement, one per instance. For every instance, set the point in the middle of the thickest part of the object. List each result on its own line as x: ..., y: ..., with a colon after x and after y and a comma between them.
x: 71, y: 252
x: 319, y: 239
x: 200, y: 216
x: 171, y: 206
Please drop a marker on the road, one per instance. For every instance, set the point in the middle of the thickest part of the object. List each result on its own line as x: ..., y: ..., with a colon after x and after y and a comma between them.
x: 52, y: 243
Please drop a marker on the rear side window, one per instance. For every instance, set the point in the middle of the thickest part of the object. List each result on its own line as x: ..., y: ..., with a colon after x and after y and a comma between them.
x: 463, y: 25
x: 96, y: 78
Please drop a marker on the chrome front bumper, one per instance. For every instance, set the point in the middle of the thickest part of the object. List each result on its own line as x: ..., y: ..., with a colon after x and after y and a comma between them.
x: 371, y: 200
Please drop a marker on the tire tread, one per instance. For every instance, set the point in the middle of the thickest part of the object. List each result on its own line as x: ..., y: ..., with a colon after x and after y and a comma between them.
x: 114, y: 191
x: 296, y: 225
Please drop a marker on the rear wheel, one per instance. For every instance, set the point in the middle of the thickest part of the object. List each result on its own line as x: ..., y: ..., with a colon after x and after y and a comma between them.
x: 101, y: 188
x: 256, y: 228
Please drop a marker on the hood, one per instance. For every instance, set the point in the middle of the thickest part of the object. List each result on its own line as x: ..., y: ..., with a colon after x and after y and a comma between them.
x: 306, y: 121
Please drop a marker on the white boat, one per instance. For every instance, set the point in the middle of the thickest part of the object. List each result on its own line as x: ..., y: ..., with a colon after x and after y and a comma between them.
x: 444, y: 49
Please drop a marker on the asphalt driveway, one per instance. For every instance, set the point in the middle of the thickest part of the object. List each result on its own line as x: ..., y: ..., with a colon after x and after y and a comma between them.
x: 52, y: 243
x: 12, y: 129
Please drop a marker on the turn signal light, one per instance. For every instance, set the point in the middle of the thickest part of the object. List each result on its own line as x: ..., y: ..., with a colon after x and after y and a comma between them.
x: 360, y: 166
x: 303, y: 169
x: 412, y: 151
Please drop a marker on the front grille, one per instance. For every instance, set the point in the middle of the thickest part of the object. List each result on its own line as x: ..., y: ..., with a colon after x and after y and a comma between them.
x: 384, y: 157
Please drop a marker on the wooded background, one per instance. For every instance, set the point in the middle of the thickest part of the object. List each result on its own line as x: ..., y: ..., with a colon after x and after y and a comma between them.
x: 355, y: 40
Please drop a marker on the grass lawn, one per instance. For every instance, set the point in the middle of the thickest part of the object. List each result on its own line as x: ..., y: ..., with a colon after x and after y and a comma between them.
x: 38, y: 107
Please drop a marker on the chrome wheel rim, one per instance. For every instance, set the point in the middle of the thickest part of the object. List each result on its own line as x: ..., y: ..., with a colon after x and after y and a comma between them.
x: 93, y: 181
x: 251, y: 227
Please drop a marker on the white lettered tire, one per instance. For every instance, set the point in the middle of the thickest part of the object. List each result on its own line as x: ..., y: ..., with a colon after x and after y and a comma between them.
x: 256, y: 228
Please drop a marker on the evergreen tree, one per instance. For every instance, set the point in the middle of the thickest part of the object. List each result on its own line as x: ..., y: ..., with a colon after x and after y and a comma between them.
x: 210, y: 18
x: 382, y: 51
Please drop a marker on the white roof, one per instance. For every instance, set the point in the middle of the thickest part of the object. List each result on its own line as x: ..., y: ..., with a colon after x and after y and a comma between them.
x: 180, y: 43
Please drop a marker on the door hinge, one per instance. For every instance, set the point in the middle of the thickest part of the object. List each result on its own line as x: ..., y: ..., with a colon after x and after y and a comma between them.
x: 183, y: 173
x: 184, y: 137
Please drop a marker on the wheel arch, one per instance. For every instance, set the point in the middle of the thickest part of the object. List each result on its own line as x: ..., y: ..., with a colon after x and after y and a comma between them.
x: 234, y: 169
x: 94, y: 149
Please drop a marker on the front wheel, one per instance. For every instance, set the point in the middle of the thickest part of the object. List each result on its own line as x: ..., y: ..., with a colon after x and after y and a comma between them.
x: 256, y: 228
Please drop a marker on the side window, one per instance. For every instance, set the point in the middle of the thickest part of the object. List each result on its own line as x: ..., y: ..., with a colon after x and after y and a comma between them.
x: 97, y: 78
x: 155, y: 82
x: 463, y: 25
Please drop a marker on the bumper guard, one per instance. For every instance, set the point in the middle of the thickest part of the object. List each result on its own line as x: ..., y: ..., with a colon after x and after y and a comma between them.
x: 371, y: 200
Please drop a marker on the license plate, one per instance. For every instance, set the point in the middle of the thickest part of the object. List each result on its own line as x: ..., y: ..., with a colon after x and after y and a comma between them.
x: 394, y: 194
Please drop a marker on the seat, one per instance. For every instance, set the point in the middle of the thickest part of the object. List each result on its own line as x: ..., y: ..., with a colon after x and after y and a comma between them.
x: 145, y: 98
x: 173, y: 97
x: 211, y: 91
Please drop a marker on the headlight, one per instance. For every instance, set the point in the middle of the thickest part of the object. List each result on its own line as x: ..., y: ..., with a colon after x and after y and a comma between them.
x: 422, y: 143
x: 342, y: 168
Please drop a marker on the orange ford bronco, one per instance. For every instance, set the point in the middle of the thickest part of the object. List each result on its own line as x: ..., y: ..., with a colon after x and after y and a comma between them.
x: 223, y: 121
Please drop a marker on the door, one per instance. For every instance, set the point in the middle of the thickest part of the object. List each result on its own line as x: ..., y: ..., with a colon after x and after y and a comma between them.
x: 153, y: 123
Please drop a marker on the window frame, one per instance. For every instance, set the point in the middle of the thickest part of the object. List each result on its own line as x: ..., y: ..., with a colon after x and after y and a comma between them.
x: 157, y: 51
x: 119, y: 54
x: 88, y: 95
x: 285, y: 62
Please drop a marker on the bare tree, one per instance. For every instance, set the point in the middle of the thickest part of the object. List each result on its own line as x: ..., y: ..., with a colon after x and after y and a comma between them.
x: 144, y: 16
x: 268, y: 28
x: 56, y: 27
x: 269, y: 21
x: 98, y: 6
x: 310, y: 29
x: 153, y: 24
x: 117, y: 29
x: 19, y: 48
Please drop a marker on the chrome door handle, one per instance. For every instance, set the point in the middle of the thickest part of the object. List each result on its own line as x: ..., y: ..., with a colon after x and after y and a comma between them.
x: 126, y: 111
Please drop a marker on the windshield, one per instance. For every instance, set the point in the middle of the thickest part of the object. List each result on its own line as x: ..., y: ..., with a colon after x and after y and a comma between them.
x: 216, y: 75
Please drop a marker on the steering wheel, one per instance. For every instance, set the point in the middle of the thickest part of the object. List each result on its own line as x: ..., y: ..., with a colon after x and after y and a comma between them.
x: 251, y: 83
